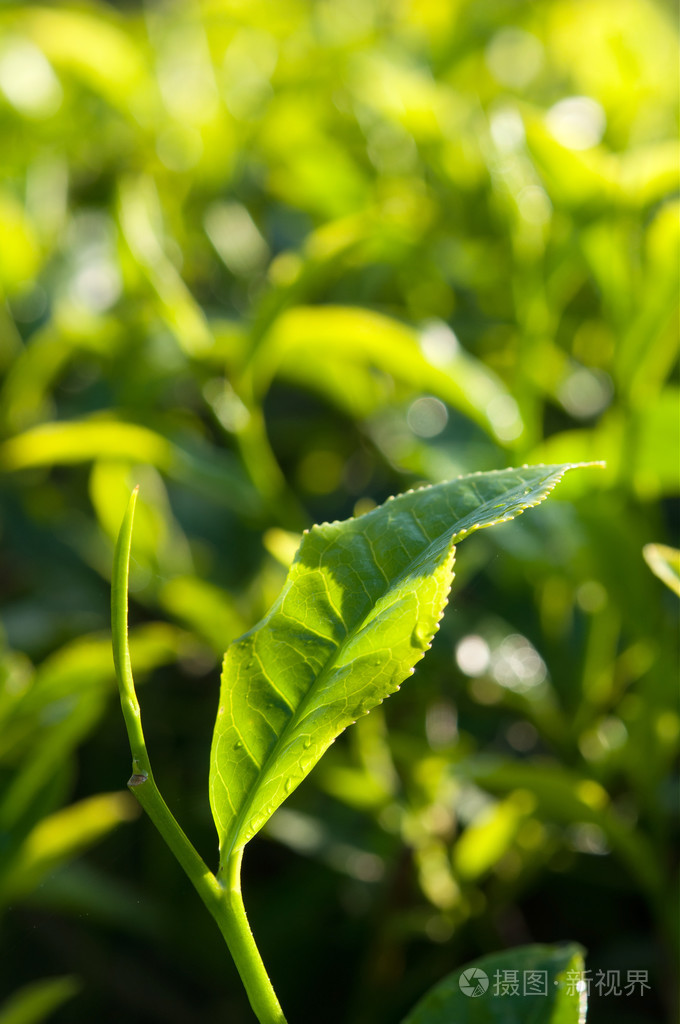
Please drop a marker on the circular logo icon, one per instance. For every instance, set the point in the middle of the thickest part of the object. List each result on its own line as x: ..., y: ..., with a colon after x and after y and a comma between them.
x: 473, y: 982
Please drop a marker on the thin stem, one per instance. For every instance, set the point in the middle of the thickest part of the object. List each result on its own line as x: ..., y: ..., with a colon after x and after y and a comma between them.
x: 119, y: 637
x: 224, y: 901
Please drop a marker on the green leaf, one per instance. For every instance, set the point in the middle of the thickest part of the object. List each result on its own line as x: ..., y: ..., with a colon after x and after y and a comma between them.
x: 62, y: 836
x: 99, y: 437
x: 664, y: 563
x: 566, y: 797
x: 360, y: 606
x: 140, y: 217
x: 35, y: 1002
x: 356, y: 358
x: 482, y: 992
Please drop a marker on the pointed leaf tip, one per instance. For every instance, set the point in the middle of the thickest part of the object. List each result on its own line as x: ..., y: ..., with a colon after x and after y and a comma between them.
x: 359, y: 608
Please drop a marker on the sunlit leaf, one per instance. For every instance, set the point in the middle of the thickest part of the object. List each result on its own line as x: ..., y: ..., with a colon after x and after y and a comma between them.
x: 357, y: 358
x: 63, y: 835
x: 489, y: 836
x: 664, y: 563
x: 209, y: 610
x: 90, y: 46
x: 359, y: 608
x: 19, y: 250
x: 99, y: 438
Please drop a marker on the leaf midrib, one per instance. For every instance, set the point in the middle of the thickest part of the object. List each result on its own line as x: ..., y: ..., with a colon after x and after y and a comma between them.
x: 543, y: 489
x: 329, y: 665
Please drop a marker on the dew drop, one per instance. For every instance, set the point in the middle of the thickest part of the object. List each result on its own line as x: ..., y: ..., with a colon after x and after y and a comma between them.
x: 307, y: 743
x: 238, y: 745
x: 288, y: 785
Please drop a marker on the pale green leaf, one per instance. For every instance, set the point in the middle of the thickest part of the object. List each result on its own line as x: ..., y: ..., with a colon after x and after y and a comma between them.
x: 95, y: 48
x: 664, y: 563
x: 482, y: 993
x: 359, y: 608
x: 99, y: 437
x: 62, y: 836
x: 489, y: 837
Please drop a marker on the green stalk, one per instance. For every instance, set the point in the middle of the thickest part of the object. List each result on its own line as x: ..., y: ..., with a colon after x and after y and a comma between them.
x: 223, y: 900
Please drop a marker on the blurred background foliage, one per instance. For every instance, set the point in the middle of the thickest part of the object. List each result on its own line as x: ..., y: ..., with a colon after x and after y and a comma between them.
x: 274, y: 262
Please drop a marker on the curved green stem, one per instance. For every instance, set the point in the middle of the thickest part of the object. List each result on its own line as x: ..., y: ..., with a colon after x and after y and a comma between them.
x: 222, y: 898
x: 233, y: 924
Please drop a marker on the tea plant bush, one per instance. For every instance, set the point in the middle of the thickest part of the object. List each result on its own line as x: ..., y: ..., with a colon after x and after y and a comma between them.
x: 275, y: 263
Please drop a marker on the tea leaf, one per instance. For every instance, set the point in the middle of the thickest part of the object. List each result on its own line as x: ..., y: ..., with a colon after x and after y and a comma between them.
x: 483, y: 992
x: 360, y: 606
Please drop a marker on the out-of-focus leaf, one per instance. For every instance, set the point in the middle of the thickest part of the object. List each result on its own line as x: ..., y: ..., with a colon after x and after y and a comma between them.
x: 641, y: 450
x: 209, y: 611
x: 66, y: 696
x: 648, y: 348
x: 19, y: 250
x: 282, y: 544
x: 490, y: 836
x: 86, y: 663
x: 160, y: 540
x: 98, y: 438
x: 565, y: 797
x: 356, y: 613
x: 139, y: 216
x: 358, y: 358
x: 407, y: 95
x: 81, y: 441
x: 649, y: 173
x: 655, y: 458
x: 54, y: 740
x: 34, y: 1003
x: 478, y: 992
x: 562, y: 795
x: 92, y: 47
x: 26, y: 396
x: 664, y: 563
x: 62, y: 836
x: 574, y: 179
